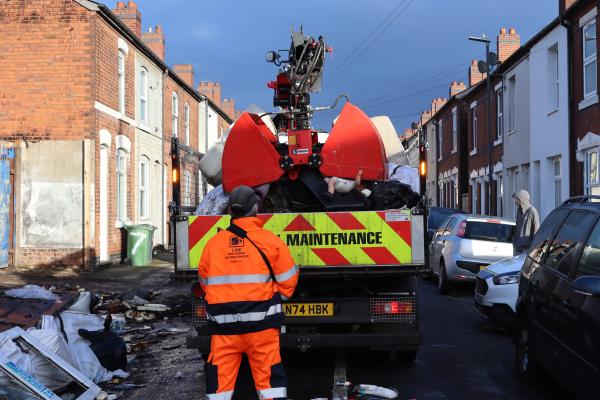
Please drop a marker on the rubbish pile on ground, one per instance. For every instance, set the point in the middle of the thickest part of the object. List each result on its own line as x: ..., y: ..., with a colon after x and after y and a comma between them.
x: 71, y: 342
x: 298, y: 185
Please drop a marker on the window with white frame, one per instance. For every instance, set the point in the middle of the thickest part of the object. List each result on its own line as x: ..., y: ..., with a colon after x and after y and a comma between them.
x: 121, y: 71
x: 187, y: 183
x: 143, y: 94
x: 454, y: 130
x: 121, y: 170
x: 592, y: 173
x: 440, y: 140
x: 174, y: 114
x: 590, y: 69
x: 557, y: 177
x: 144, y: 187
x: 512, y: 104
x: 553, y: 98
x: 474, y: 129
x: 186, y: 122
x: 499, y: 113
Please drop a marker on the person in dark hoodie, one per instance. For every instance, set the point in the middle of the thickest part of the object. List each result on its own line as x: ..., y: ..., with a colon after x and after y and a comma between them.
x: 528, y: 222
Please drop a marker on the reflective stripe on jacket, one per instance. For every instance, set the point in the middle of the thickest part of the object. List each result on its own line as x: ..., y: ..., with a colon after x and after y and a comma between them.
x: 241, y: 297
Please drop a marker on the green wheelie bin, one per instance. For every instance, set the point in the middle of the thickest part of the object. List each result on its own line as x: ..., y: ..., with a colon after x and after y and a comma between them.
x: 140, y: 244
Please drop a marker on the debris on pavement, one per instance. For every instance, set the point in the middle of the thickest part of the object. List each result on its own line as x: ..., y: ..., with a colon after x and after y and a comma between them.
x: 32, y: 292
x: 113, y: 339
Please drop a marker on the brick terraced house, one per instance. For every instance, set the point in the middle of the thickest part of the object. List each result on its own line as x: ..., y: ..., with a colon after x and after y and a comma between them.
x: 89, y: 107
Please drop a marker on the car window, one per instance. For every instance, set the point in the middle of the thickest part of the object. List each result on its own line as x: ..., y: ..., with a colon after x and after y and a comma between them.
x: 438, y: 215
x: 489, y: 231
x: 545, y: 233
x: 440, y: 230
x: 563, y: 250
x: 589, y: 264
x: 450, y: 226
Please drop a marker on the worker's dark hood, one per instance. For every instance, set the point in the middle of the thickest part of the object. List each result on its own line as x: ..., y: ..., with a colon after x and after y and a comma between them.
x: 523, y: 199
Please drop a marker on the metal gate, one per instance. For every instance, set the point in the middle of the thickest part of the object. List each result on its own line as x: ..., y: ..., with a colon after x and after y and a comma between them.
x: 7, y: 214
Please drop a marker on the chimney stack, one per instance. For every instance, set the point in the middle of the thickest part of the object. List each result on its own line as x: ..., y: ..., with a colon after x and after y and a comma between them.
x: 436, y: 104
x: 456, y: 88
x: 185, y: 72
x: 474, y: 75
x: 228, y: 107
x: 564, y: 5
x: 425, y: 116
x: 212, y: 90
x: 130, y: 16
x: 155, y: 39
x: 508, y: 43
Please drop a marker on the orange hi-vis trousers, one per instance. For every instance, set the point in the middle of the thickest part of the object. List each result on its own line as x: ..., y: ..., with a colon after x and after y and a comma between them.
x: 262, y: 350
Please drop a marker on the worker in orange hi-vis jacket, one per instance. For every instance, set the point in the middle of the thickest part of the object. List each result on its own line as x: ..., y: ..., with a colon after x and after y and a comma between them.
x: 245, y: 272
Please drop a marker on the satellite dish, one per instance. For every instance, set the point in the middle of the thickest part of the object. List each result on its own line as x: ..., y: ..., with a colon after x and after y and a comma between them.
x: 414, y: 126
x: 482, y: 66
x: 493, y: 59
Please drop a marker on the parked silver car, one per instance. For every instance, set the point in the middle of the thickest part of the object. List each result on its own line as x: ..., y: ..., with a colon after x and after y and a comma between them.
x: 464, y: 244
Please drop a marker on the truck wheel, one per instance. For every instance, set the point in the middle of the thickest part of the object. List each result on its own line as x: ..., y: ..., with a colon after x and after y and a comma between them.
x: 528, y: 368
x: 443, y: 282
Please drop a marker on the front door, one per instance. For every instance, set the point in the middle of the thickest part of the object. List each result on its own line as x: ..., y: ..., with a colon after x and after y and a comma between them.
x: 7, y: 180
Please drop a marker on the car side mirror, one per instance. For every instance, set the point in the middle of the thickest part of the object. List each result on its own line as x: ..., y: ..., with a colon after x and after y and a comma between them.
x: 587, y: 285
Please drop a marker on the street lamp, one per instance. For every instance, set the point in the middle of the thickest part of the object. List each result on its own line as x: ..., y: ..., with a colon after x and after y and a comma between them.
x: 491, y: 59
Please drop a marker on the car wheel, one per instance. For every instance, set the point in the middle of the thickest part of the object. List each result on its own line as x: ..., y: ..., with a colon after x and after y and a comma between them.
x: 527, y: 365
x: 443, y: 282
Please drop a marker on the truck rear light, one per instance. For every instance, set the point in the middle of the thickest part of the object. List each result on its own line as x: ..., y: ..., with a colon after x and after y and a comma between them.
x: 461, y: 229
x: 393, y: 309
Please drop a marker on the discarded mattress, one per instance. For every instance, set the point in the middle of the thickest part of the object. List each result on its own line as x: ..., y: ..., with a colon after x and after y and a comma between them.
x: 394, y: 151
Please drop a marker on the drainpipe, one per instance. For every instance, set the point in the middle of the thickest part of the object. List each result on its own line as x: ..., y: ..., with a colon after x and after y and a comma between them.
x: 437, y: 142
x: 206, y: 105
x: 572, y: 158
x: 163, y: 187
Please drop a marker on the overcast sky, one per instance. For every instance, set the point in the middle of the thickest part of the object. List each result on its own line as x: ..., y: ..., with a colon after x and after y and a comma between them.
x: 419, y: 48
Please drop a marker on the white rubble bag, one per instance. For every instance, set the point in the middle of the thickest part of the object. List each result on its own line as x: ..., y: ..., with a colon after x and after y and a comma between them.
x: 31, y: 292
x: 214, y: 203
x: 83, y: 355
x: 394, y: 151
x: 43, y: 370
x: 210, y: 164
x: 404, y: 174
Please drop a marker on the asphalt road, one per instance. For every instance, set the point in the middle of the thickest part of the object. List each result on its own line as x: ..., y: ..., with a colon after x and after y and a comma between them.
x: 461, y: 358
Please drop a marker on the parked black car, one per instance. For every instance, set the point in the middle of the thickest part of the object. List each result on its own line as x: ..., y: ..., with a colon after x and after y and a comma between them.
x: 558, y: 309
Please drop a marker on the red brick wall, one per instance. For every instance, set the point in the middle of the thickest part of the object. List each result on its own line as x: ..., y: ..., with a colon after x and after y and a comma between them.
x: 588, y: 119
x: 481, y: 159
x: 46, y: 59
x: 107, y: 93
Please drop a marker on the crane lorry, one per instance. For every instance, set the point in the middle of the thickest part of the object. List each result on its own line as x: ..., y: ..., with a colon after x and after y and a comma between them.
x: 358, y: 266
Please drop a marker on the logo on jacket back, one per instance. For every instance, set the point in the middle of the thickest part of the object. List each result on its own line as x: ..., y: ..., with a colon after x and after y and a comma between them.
x: 236, y: 242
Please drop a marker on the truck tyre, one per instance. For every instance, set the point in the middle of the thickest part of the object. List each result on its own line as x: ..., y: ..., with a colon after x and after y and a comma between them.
x: 443, y: 282
x: 527, y: 365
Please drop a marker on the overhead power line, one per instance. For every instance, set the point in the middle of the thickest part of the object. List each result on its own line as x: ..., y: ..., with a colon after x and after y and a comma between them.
x: 371, y: 38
